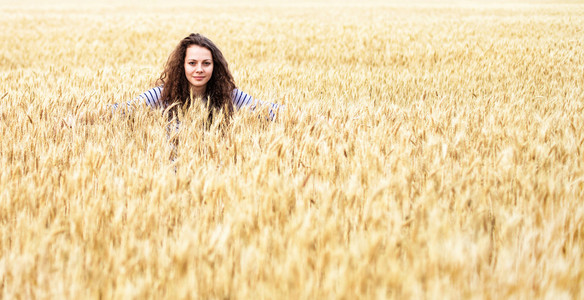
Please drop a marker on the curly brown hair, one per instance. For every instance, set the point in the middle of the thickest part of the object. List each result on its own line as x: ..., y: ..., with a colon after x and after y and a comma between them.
x: 176, y: 89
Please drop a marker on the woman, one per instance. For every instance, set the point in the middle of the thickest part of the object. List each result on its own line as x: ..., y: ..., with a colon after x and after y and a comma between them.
x: 196, y: 69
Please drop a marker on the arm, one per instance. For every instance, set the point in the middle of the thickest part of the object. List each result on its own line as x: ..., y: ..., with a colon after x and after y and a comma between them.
x: 240, y: 98
x: 151, y: 98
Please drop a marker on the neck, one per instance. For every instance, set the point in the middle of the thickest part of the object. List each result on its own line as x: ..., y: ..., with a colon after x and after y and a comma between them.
x: 198, y: 92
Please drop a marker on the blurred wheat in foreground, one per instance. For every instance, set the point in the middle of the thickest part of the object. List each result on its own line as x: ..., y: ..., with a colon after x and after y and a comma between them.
x: 428, y: 150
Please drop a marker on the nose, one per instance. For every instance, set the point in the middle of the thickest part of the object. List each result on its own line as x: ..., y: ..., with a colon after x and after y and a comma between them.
x: 198, y: 68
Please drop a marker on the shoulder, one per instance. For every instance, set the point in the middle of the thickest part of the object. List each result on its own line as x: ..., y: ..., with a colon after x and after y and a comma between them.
x: 153, y: 91
x: 152, y: 96
x: 237, y: 91
x: 240, y: 98
x: 157, y: 89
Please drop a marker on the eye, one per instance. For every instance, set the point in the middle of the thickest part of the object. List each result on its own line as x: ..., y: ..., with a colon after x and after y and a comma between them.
x: 192, y: 63
x: 207, y: 63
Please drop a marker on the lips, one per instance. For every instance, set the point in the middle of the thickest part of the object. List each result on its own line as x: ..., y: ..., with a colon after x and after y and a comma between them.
x: 199, y: 77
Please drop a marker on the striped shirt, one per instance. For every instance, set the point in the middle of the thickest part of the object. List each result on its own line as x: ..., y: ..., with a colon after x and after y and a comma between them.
x: 152, y: 98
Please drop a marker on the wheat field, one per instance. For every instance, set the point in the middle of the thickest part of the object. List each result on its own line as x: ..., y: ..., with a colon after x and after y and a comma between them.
x: 427, y: 150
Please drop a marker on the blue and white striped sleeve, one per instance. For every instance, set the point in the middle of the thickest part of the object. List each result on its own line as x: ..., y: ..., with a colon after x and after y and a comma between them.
x: 240, y: 98
x: 151, y: 98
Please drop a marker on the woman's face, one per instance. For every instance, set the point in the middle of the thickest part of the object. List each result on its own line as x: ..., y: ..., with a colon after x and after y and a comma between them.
x: 198, y: 67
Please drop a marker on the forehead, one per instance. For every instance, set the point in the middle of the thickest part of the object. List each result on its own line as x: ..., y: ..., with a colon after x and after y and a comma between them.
x: 198, y: 53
